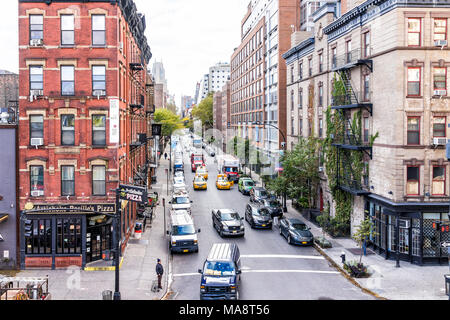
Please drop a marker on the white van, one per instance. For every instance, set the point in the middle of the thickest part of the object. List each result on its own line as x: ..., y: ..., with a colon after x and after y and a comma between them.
x: 182, y: 233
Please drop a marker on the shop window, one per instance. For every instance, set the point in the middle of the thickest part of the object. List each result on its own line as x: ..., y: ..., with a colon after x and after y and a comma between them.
x: 37, y: 180
x: 38, y: 239
x: 98, y: 180
x: 439, y: 127
x: 415, y: 237
x: 414, y: 31
x: 67, y: 180
x: 68, y: 236
x: 413, y: 86
x: 67, y: 29
x: 392, y: 240
x: 36, y: 27
x: 438, y: 187
x: 67, y: 129
x: 98, y: 30
x: 413, y: 131
x: 99, y: 130
x: 431, y: 237
x: 412, y: 181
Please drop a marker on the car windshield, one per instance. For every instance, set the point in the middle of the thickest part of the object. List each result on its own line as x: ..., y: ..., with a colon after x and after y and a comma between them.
x: 181, y: 200
x: 219, y: 268
x: 229, y: 216
x: 222, y: 179
x: 200, y: 170
x: 300, y: 226
x: 273, y: 204
x: 183, y: 230
x: 249, y: 183
x: 231, y: 169
x: 199, y: 179
x: 261, y: 212
x: 261, y: 193
x: 198, y: 158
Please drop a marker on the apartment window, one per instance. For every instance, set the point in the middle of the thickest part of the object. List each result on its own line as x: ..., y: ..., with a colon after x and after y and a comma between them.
x: 68, y: 236
x: 366, y: 44
x: 36, y: 26
x: 414, y: 74
x: 67, y: 80
x: 412, y: 181
x: 300, y: 70
x: 320, y: 128
x: 36, y: 78
x: 366, y: 130
x: 439, y: 127
x: 348, y: 51
x: 320, y: 62
x: 413, y: 131
x: 37, y: 178
x: 67, y: 29
x: 300, y: 98
x: 320, y: 95
x: 414, y: 35
x: 98, y: 180
x: 334, y: 57
x: 366, y: 91
x: 67, y: 130
x: 292, y: 99
x: 67, y: 180
x: 98, y: 30
x: 99, y: 78
x: 36, y: 126
x: 99, y: 130
x: 438, y: 188
x: 440, y: 29
x: 300, y: 127
x: 440, y: 79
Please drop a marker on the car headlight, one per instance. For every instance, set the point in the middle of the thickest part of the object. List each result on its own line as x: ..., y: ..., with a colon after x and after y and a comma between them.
x: 225, y: 227
x: 242, y: 227
x: 233, y: 289
x: 174, y: 243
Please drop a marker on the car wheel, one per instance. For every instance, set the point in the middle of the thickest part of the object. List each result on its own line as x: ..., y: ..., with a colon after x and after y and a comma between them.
x: 221, y: 233
x: 289, y: 239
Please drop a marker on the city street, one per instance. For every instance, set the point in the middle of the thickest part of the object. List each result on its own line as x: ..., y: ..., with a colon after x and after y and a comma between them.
x: 272, y: 269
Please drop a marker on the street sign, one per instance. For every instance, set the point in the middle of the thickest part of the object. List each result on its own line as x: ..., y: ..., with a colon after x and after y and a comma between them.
x: 133, y: 193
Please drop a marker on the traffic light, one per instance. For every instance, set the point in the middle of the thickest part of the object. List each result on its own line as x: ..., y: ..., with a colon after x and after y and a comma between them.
x: 27, y: 227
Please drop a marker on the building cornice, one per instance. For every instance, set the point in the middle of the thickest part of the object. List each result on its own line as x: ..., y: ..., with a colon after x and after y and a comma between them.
x: 299, y: 50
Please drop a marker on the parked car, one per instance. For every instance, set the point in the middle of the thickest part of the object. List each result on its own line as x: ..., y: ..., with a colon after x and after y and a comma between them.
x: 227, y: 222
x: 178, y: 174
x: 245, y: 185
x: 221, y: 273
x: 257, y: 194
x: 258, y: 216
x: 295, y: 231
x: 274, y: 207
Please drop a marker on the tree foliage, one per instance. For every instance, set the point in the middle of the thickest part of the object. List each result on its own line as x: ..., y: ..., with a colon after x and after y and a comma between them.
x: 169, y: 121
x: 204, y: 111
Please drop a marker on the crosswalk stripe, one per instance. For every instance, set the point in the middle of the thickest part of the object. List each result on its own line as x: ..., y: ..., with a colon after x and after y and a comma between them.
x: 281, y: 256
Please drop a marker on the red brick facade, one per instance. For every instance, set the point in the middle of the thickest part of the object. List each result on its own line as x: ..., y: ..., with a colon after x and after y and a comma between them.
x: 125, y: 85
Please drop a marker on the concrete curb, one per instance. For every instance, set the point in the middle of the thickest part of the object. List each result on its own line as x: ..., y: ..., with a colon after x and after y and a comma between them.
x: 346, y: 275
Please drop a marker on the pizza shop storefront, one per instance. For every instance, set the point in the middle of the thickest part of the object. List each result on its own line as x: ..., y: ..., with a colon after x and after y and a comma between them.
x: 60, y: 236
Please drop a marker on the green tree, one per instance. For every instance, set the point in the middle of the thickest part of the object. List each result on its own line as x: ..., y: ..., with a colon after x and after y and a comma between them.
x: 169, y: 121
x: 172, y: 107
x: 363, y: 232
x: 204, y: 112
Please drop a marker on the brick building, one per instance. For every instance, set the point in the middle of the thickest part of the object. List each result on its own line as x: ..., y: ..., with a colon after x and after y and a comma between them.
x: 9, y: 95
x: 84, y: 116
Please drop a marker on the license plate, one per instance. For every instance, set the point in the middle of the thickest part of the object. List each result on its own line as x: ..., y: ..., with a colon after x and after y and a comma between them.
x: 304, y: 242
x: 186, y: 250
x: 263, y: 225
x: 234, y: 231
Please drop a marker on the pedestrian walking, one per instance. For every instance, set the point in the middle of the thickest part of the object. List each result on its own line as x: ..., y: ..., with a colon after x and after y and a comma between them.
x: 159, y: 273
x: 165, y: 155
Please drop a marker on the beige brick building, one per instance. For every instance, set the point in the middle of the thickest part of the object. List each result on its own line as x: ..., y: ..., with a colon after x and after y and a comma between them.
x: 393, y: 58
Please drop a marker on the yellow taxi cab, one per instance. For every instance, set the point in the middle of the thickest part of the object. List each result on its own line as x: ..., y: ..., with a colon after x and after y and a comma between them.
x: 199, y: 183
x: 222, y: 182
x: 201, y: 171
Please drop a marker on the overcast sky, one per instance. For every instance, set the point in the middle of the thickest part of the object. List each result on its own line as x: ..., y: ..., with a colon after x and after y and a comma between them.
x: 188, y: 36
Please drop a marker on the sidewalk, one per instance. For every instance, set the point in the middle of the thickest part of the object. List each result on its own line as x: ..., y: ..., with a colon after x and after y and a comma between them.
x: 137, y: 267
x: 409, y: 282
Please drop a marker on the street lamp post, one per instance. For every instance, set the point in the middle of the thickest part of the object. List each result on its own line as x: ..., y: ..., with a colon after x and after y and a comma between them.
x: 283, y: 146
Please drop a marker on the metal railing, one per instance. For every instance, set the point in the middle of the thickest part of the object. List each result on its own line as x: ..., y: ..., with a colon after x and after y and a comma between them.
x: 348, y: 58
x: 351, y: 97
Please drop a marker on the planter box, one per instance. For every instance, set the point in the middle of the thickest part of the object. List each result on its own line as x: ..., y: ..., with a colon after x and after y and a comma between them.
x: 322, y: 242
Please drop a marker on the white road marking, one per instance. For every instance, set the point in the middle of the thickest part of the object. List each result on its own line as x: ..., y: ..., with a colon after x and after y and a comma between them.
x: 290, y: 271
x: 281, y: 256
x: 186, y: 274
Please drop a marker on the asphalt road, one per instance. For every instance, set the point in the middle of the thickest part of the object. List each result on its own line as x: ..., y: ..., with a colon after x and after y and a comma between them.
x: 272, y: 269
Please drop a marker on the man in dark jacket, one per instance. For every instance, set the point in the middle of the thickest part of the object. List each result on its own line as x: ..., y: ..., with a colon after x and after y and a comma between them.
x: 159, y: 272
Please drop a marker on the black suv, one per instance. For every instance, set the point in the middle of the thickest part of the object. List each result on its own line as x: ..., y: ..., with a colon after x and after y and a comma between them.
x: 258, y: 216
x: 274, y: 207
x: 257, y: 194
x: 227, y: 222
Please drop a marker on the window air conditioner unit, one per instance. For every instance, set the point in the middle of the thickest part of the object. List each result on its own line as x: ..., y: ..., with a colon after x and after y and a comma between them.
x: 37, y: 141
x: 36, y: 42
x: 99, y: 93
x: 441, y: 92
x: 440, y: 43
x: 439, y: 141
x: 36, y: 93
x: 37, y: 193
